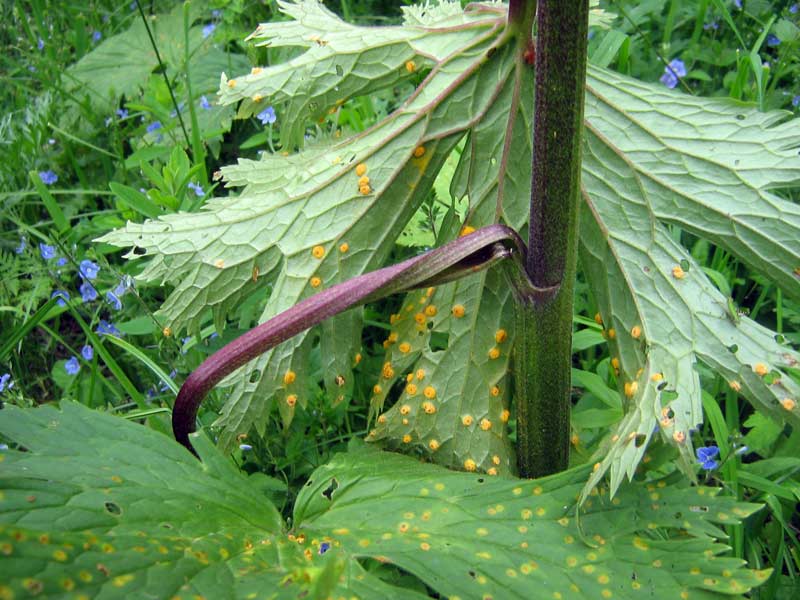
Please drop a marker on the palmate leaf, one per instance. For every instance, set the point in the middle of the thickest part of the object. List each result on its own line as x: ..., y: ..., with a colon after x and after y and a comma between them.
x: 653, y: 159
x: 100, y: 507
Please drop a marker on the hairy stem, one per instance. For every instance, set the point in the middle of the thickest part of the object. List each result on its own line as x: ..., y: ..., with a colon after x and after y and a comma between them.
x: 544, y: 319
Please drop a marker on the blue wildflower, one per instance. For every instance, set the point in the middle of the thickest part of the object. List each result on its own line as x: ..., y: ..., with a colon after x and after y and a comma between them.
x: 198, y: 191
x: 96, y: 36
x: 174, y: 113
x: 324, y: 547
x: 122, y: 113
x: 738, y: 4
x: 711, y: 25
x: 204, y: 104
x: 209, y: 29
x: 72, y: 366
x: 47, y: 251
x: 154, y: 126
x: 5, y: 382
x: 61, y: 261
x: 216, y: 13
x: 122, y: 287
x: 48, y: 177
x: 673, y: 72
x: 87, y: 352
x: 62, y: 296
x: 23, y: 242
x: 107, y: 328
x: 267, y: 116
x: 88, y: 293
x: 773, y: 40
x: 706, y: 456
x: 114, y: 300
x: 40, y: 44
x: 88, y: 269
x: 795, y: 103
x: 794, y: 8
x: 245, y: 447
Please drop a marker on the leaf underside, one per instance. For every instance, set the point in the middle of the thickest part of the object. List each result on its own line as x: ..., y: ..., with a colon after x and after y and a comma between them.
x: 653, y: 159
x: 100, y: 507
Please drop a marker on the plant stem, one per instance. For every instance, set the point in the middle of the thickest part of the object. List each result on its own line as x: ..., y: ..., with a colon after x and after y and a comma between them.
x: 543, y: 354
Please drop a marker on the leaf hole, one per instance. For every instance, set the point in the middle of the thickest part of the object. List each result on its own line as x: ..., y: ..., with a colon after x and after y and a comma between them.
x: 685, y: 265
x: 139, y: 251
x: 740, y: 117
x: 113, y: 508
x: 255, y: 375
x: 640, y: 439
x: 481, y: 480
x: 167, y: 526
x: 332, y: 487
x: 733, y: 348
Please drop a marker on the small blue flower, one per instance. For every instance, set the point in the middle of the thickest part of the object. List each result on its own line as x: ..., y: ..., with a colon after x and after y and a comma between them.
x: 245, y: 447
x: 794, y: 8
x: 5, y: 382
x: 154, y: 126
x: 107, y: 328
x: 795, y: 103
x: 711, y: 25
x: 72, y: 366
x: 204, y: 103
x: 198, y: 191
x: 96, y: 36
x: 87, y: 352
x: 48, y: 177
x: 216, y: 13
x: 40, y: 44
x: 88, y: 269
x: 324, y: 547
x: 174, y: 113
x: 706, y: 456
x: 773, y: 40
x: 267, y: 116
x: 672, y: 72
x: 122, y: 113
x: 125, y: 283
x: 62, y: 296
x: 738, y: 4
x: 61, y: 261
x: 114, y: 300
x: 88, y: 293
x: 46, y: 251
x: 208, y: 30
x: 23, y: 242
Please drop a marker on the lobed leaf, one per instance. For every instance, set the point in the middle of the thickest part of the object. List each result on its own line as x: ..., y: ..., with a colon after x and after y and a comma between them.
x: 100, y: 507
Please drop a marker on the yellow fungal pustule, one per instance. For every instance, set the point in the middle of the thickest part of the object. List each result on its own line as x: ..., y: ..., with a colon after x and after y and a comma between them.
x: 496, y: 459
x: 404, y: 347
x: 596, y: 466
x: 760, y: 369
x: 485, y: 424
x: 392, y: 337
x: 429, y: 291
x: 429, y: 392
x: 411, y: 66
x: 411, y: 389
x: 405, y: 409
x: 788, y: 404
x: 458, y: 311
x: 431, y: 310
x: 433, y: 445
x: 678, y: 272
x: 291, y: 399
x: 387, y: 371
x: 574, y: 439
x: 255, y: 70
x: 409, y: 378
x: 630, y: 388
x: 231, y: 83
x: 466, y: 230
x: 470, y: 465
x: 636, y: 332
x: 420, y: 318
x: 361, y: 168
x: 612, y: 333
x: 315, y: 282
x: 679, y: 437
x: 406, y: 439
x: 429, y: 408
x: 420, y: 374
x: 491, y: 471
x: 500, y: 336
x: 656, y: 377
x: 357, y: 358
x: 363, y: 180
x: 615, y: 363
x: 467, y: 420
x: 376, y: 389
x: 289, y: 377
x: 382, y: 419
x: 735, y: 385
x: 494, y: 353
x: 419, y: 151
x: 219, y: 263
x: 255, y: 273
x: 344, y: 247
x: 598, y: 319
x: 364, y: 190
x: 505, y: 415
x: 258, y: 98
x: 166, y: 331
x: 494, y: 391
